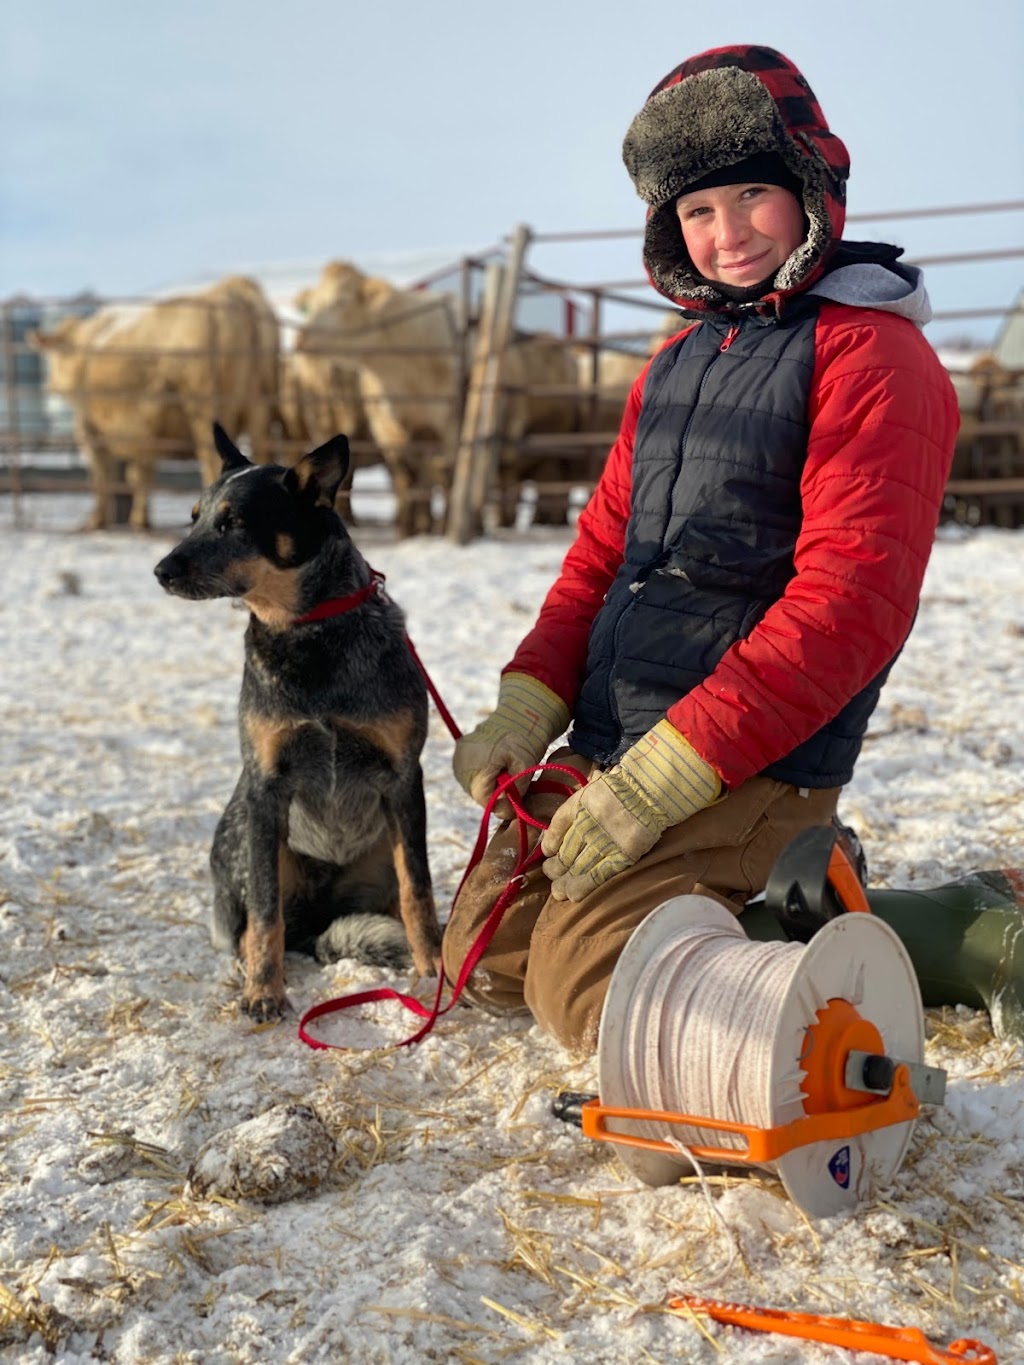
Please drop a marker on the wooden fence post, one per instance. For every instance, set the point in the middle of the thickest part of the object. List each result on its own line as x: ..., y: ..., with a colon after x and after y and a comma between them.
x: 492, y: 403
x: 479, y: 445
x: 461, y: 527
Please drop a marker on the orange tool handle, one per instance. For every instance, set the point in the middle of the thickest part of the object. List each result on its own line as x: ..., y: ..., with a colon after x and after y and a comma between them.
x: 763, y: 1144
x: 898, y: 1343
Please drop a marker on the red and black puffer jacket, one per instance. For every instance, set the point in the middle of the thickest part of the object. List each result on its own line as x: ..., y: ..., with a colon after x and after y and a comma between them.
x: 772, y: 521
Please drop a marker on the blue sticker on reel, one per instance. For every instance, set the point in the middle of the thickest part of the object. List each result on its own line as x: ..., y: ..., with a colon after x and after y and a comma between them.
x: 839, y: 1167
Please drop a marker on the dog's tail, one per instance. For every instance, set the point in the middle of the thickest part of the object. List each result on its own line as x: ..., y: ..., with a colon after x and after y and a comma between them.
x: 377, y: 940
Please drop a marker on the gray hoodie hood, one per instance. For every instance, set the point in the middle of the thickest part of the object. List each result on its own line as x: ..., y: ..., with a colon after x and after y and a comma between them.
x: 870, y: 285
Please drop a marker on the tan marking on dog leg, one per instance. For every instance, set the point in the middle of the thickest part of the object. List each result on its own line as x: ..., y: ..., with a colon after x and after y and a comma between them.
x: 392, y: 734
x: 268, y: 738
x: 262, y: 948
x: 419, y: 918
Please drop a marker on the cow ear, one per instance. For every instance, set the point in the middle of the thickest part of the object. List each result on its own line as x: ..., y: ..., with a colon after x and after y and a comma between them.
x: 229, y: 453
x: 319, y: 474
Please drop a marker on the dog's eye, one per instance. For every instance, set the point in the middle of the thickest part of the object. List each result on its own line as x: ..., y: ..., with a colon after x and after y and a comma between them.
x: 224, y: 523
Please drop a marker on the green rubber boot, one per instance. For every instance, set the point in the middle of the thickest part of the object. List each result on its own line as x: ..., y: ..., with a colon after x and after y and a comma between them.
x: 965, y: 939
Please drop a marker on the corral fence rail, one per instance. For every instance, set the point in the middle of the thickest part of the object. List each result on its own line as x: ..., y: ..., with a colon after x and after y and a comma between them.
x: 986, y: 484
x: 477, y: 464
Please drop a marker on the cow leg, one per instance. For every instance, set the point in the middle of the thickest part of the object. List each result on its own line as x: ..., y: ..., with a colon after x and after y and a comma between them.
x: 200, y: 425
x: 423, y: 519
x: 507, y: 496
x: 139, y: 475
x: 405, y: 510
x: 99, y: 475
x: 98, y: 461
x: 257, y: 424
x: 403, y: 487
x: 552, y: 508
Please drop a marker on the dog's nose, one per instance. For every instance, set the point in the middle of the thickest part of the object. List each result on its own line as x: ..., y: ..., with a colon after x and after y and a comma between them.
x: 168, y: 570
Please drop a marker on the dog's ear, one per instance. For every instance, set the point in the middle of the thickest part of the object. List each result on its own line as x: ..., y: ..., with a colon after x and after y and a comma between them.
x: 229, y: 453
x: 320, y: 473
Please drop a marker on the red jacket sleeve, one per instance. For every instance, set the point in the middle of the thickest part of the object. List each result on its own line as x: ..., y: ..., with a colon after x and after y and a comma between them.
x: 883, y: 420
x: 555, y: 651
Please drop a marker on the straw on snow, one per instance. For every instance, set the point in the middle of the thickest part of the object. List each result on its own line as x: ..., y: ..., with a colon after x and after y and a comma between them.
x: 458, y: 1216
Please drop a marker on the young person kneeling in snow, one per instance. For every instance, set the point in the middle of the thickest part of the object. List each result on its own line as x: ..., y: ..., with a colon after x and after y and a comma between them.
x: 749, y: 565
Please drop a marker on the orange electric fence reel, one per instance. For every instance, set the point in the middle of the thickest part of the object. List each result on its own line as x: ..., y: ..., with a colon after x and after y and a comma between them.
x: 846, y: 1077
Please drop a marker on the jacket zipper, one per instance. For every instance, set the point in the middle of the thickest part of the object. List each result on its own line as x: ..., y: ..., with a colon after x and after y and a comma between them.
x: 727, y: 341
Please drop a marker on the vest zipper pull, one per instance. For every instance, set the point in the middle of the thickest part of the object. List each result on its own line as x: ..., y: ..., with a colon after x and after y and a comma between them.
x: 730, y: 337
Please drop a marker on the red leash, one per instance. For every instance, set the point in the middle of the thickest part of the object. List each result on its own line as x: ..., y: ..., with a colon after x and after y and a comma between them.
x: 526, y: 859
x: 443, y: 711
x: 336, y: 606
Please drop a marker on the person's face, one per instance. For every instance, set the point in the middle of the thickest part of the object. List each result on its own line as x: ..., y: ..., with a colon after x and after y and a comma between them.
x: 740, y: 234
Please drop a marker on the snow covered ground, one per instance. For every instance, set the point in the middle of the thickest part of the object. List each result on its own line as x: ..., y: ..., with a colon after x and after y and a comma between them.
x: 454, y: 1218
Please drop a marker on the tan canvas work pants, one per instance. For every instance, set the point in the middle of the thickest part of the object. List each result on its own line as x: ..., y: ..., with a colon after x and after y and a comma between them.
x: 555, y: 958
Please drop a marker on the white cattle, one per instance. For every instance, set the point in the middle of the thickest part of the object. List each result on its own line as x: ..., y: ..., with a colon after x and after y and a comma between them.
x: 408, y: 351
x: 147, y: 379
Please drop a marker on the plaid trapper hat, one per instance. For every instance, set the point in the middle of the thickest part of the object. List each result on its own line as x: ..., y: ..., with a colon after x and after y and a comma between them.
x: 709, y: 115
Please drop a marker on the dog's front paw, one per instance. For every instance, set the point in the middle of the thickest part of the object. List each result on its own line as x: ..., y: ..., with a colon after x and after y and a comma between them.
x: 426, y: 958
x: 263, y: 1008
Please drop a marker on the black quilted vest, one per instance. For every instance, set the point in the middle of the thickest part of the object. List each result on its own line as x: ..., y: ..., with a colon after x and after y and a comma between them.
x: 719, y: 452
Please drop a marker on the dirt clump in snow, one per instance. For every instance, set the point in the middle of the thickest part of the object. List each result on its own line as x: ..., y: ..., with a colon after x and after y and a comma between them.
x: 283, y: 1153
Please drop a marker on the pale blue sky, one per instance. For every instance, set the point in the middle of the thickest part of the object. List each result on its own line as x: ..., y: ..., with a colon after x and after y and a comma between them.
x: 142, y: 145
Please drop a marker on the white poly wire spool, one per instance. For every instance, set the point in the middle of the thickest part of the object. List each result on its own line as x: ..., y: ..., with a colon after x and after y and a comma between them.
x: 855, y: 957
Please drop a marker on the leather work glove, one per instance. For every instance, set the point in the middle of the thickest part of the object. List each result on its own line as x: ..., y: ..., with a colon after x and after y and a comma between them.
x: 514, y: 736
x: 612, y: 821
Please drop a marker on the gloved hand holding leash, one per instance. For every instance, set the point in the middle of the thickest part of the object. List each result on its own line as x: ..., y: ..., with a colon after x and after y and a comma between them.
x: 613, y: 820
x: 617, y: 817
x: 514, y: 737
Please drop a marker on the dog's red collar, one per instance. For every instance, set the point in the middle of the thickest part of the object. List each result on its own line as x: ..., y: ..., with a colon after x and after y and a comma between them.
x: 337, y: 606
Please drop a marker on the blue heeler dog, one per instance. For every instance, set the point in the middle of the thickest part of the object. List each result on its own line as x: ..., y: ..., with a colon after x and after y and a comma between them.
x: 322, y: 847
